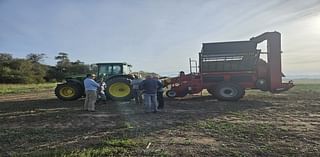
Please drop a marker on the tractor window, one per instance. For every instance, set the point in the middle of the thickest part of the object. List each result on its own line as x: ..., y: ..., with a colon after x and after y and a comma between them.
x: 126, y: 69
x: 105, y: 70
x: 116, y: 69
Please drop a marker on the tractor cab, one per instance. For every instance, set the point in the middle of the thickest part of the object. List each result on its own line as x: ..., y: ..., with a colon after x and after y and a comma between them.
x: 106, y: 70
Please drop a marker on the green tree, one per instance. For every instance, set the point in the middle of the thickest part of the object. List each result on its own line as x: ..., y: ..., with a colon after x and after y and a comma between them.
x: 65, y: 67
x: 15, y: 70
x: 5, y: 57
x: 77, y: 68
x: 36, y: 57
x: 63, y: 61
x: 53, y: 74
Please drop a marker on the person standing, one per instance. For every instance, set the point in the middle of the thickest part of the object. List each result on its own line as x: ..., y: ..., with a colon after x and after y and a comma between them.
x: 159, y: 93
x: 101, y: 92
x: 91, y: 87
x: 149, y: 86
x: 136, y: 89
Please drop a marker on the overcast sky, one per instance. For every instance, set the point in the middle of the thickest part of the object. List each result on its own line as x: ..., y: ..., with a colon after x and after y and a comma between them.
x: 157, y: 35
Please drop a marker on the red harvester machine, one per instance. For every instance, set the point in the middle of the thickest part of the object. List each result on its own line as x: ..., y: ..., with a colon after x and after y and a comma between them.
x: 226, y: 69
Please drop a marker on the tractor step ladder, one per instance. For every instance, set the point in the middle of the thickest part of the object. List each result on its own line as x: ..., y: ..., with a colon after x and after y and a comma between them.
x: 193, y: 65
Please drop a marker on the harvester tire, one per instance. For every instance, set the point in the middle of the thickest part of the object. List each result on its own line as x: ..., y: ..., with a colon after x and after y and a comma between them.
x: 119, y: 89
x: 171, y: 94
x: 229, y: 92
x: 68, y: 92
x: 262, y: 84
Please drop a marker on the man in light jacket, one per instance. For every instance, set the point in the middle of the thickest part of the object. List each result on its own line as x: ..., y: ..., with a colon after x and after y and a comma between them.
x: 91, y: 87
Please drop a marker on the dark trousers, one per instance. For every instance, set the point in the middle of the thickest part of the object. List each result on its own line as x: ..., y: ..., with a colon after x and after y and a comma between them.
x: 160, y: 100
x: 137, y: 94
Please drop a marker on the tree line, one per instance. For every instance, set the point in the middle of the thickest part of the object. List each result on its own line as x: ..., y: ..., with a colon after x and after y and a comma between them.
x: 32, y: 70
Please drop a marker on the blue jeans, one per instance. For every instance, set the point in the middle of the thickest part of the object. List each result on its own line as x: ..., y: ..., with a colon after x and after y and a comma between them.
x: 150, y: 102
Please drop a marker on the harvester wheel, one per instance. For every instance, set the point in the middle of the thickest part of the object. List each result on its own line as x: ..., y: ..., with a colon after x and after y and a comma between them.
x: 68, y: 92
x: 171, y: 94
x: 262, y: 84
x: 119, y: 89
x: 229, y: 92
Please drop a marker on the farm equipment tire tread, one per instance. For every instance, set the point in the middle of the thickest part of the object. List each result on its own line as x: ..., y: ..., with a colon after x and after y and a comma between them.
x: 77, y: 91
x: 112, y: 81
x: 233, y: 87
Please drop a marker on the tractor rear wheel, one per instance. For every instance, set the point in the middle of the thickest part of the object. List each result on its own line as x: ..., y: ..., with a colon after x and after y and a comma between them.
x: 229, y: 92
x: 119, y: 89
x: 68, y: 92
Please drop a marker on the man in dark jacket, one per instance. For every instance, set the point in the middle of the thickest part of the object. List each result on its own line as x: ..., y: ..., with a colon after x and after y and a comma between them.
x: 150, y: 85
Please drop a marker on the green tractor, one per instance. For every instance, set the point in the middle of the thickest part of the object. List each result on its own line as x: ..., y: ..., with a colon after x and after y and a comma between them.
x: 116, y: 76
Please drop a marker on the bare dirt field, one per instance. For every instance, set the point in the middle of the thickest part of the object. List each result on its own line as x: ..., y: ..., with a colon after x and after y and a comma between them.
x: 261, y: 124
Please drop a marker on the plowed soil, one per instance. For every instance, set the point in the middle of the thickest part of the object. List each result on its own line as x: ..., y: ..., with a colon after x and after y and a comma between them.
x: 261, y: 124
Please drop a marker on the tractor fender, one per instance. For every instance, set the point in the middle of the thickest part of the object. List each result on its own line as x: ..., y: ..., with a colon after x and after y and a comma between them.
x: 74, y: 81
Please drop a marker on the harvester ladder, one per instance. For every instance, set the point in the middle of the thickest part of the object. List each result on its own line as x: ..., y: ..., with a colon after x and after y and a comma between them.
x: 193, y: 65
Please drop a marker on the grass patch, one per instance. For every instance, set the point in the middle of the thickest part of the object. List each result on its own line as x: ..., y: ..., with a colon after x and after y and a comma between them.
x: 306, y: 88
x: 304, y: 81
x: 110, y: 147
x: 24, y: 88
x: 298, y: 89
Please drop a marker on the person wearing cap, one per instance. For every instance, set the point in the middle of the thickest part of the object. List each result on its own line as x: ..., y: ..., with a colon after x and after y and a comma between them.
x: 91, y: 87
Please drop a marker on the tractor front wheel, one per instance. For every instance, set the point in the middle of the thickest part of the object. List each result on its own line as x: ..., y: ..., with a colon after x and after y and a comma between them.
x: 119, y: 89
x: 68, y: 92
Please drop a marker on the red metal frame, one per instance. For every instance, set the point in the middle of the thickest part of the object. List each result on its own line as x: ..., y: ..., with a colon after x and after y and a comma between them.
x: 193, y: 83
